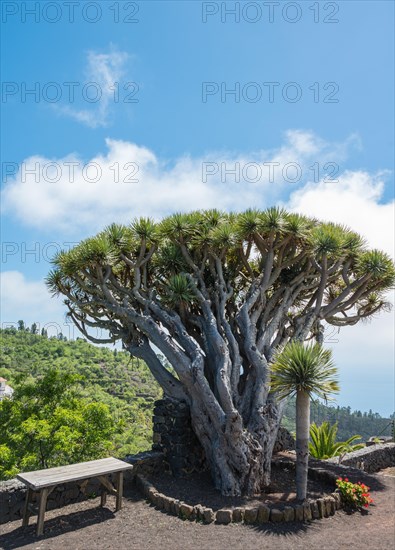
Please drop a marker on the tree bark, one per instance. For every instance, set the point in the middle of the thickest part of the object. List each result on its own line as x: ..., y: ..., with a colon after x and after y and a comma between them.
x: 239, y: 458
x: 302, y: 442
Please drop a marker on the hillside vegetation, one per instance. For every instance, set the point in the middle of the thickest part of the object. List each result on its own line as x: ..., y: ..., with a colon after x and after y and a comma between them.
x: 365, y: 424
x: 110, y: 377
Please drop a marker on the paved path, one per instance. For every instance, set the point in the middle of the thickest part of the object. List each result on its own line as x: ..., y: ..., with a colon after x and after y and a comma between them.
x: 85, y: 526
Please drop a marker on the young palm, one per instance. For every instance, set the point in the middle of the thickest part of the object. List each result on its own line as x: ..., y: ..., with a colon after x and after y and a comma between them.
x: 303, y: 370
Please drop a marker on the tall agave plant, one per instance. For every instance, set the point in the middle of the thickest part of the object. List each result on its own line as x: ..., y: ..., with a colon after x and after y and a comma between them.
x: 303, y: 370
x: 324, y: 445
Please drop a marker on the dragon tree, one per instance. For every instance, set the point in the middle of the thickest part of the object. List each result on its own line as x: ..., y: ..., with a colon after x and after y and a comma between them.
x: 216, y: 294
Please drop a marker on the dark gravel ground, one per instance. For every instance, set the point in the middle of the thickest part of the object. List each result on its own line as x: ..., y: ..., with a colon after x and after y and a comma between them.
x: 86, y: 526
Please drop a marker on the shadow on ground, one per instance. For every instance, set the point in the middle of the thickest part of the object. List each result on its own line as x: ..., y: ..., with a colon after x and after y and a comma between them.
x: 289, y: 530
x: 60, y: 524
x: 53, y: 527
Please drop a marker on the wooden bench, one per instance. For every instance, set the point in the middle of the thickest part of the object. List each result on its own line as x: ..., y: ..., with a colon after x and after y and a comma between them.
x: 45, y: 481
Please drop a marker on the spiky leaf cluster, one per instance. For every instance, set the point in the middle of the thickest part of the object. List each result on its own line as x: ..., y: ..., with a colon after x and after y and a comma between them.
x: 306, y: 368
x: 282, y: 267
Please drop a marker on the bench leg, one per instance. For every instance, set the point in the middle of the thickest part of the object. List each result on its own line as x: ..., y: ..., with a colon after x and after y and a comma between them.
x: 41, y: 511
x: 103, y: 499
x: 26, y: 511
x: 119, y: 491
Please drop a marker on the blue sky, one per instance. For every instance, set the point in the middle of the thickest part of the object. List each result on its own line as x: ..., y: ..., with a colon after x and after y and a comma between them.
x: 167, y: 119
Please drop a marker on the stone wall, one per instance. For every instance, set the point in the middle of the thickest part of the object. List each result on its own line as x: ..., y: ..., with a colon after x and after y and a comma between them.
x: 370, y: 459
x: 173, y: 435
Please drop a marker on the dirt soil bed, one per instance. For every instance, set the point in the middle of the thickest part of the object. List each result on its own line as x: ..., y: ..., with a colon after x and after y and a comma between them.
x: 198, y: 489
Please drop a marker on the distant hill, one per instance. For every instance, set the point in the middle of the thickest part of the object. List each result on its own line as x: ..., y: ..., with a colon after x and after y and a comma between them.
x: 365, y: 424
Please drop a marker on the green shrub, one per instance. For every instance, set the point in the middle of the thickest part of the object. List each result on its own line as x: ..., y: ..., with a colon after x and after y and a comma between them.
x: 324, y: 445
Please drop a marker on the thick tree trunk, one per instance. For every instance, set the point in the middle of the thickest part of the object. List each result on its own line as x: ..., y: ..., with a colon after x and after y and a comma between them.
x: 239, y: 458
x: 302, y: 442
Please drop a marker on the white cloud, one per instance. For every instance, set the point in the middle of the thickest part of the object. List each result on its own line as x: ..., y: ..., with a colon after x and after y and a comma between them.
x: 129, y: 180
x: 354, y: 200
x: 372, y: 341
x: 100, y: 88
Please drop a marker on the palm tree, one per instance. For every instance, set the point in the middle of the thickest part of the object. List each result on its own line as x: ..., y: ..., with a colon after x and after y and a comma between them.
x: 324, y: 445
x: 303, y: 370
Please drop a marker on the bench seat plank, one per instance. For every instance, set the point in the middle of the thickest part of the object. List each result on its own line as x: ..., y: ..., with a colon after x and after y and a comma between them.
x: 74, y: 472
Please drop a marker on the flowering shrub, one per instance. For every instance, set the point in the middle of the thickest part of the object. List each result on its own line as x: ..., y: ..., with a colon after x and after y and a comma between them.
x: 354, y: 495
